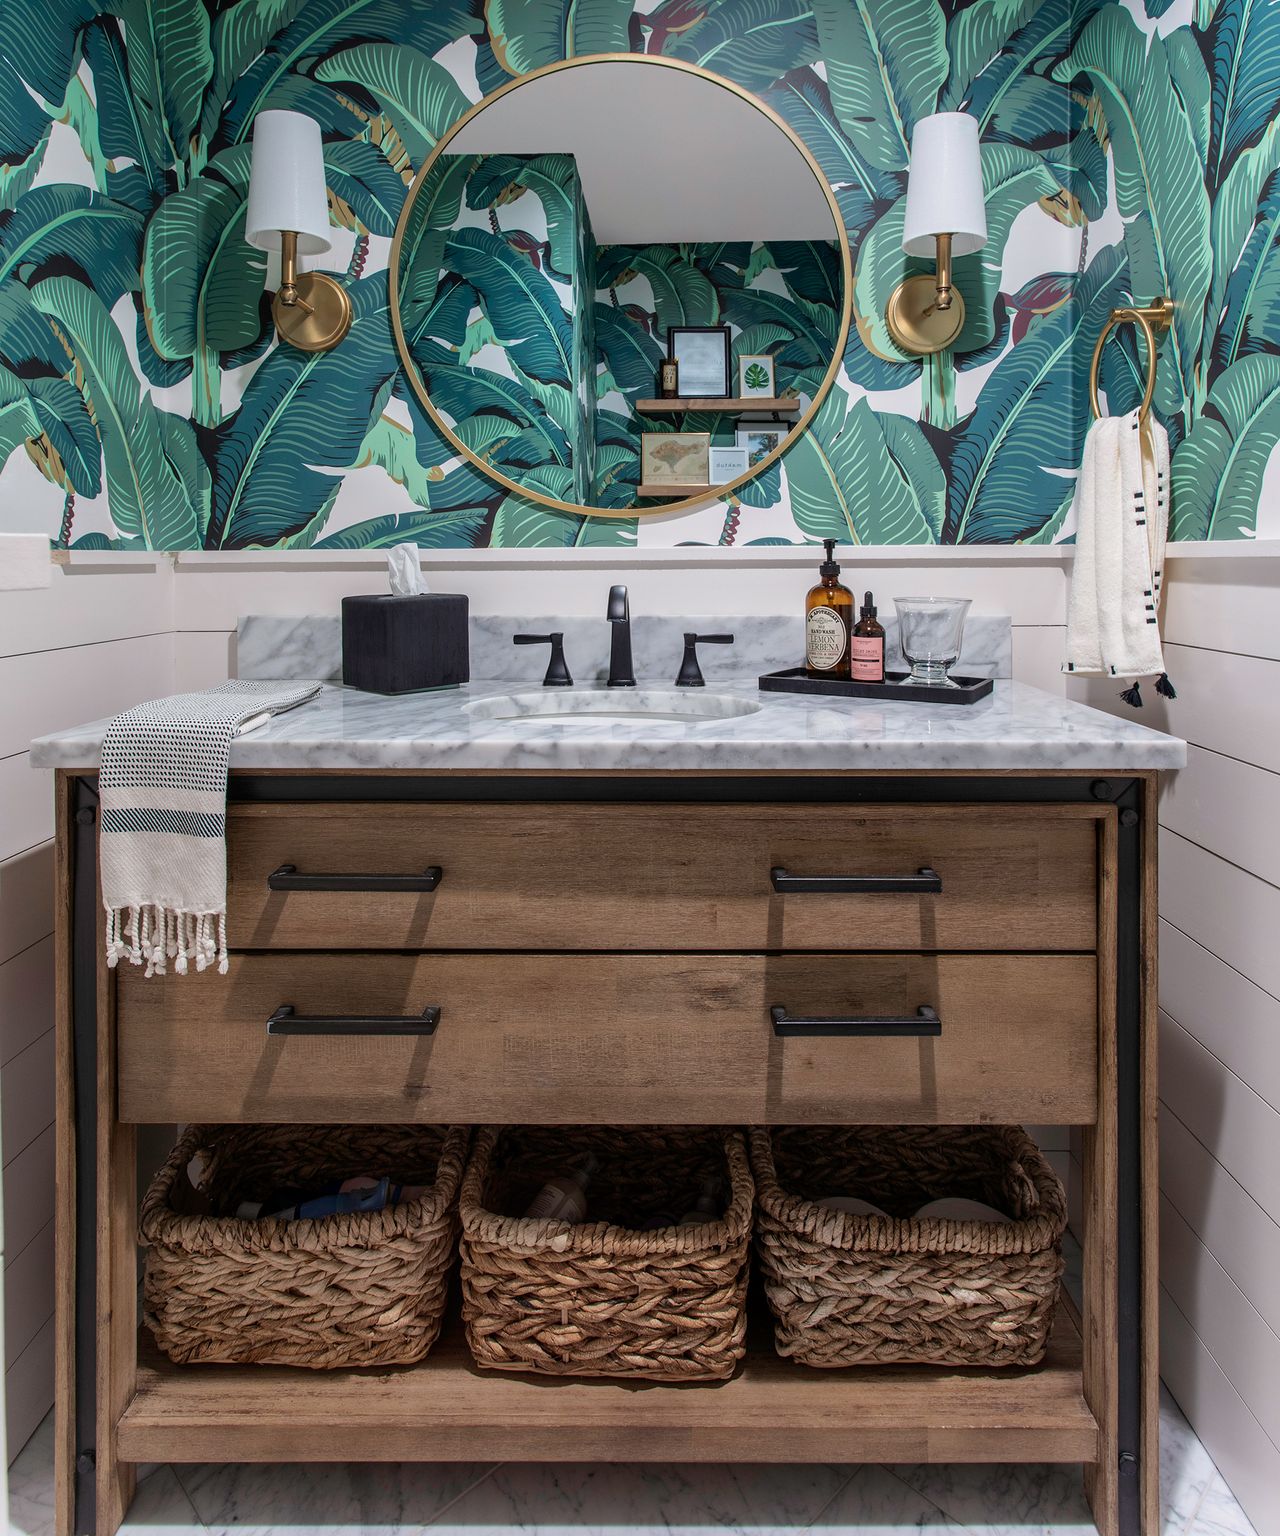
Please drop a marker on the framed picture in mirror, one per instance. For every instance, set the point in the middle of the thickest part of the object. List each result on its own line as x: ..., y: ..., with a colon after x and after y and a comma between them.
x: 725, y: 464
x: 702, y: 353
x: 760, y: 439
x: 674, y: 458
x: 755, y: 375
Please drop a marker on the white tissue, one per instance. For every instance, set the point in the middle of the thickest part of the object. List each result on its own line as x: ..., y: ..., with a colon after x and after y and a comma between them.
x: 404, y: 571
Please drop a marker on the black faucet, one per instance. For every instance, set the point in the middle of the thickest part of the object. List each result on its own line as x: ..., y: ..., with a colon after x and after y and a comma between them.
x: 619, y: 615
x: 690, y: 672
x: 557, y: 669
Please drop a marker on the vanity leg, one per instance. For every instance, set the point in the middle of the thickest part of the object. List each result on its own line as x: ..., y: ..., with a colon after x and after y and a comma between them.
x: 1121, y: 1375
x: 96, y: 1269
x: 117, y: 1265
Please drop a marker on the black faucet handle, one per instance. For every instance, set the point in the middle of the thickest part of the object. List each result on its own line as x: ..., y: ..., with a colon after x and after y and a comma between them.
x: 557, y: 669
x: 690, y: 672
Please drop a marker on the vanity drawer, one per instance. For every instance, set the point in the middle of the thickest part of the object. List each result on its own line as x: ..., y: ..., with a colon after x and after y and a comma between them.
x: 626, y: 1038
x: 661, y: 877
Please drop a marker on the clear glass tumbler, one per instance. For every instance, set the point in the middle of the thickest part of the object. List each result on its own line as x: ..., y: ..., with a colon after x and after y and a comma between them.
x: 931, y: 629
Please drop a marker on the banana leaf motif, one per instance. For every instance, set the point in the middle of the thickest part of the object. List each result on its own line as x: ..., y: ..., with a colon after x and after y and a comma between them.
x: 429, y: 530
x: 416, y: 91
x: 1160, y: 188
x: 886, y: 63
x: 146, y: 452
x: 864, y: 479
x: 131, y: 273
x: 753, y: 42
x: 527, y: 34
x: 1014, y: 455
x: 300, y: 410
x: 60, y: 227
x: 1218, y: 470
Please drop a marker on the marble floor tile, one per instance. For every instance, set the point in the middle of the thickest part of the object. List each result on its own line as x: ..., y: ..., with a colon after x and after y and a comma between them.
x: 31, y: 1485
x: 1014, y: 1500
x: 1186, y: 1468
x: 876, y: 1502
x: 161, y: 1508
x: 645, y: 1500
x: 1219, y: 1514
x: 340, y: 1500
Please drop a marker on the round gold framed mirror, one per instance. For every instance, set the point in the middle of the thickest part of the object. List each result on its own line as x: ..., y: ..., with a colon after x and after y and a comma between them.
x: 587, y: 224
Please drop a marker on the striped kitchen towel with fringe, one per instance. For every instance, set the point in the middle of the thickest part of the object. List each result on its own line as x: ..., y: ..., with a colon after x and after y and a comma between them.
x: 163, y: 788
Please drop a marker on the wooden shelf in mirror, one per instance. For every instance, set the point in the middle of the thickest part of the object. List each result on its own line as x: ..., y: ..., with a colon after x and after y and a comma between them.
x: 675, y: 492
x: 735, y: 405
x: 772, y: 1410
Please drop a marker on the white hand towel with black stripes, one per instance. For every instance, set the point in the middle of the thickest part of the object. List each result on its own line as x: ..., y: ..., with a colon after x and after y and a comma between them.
x: 163, y: 850
x: 1122, y: 522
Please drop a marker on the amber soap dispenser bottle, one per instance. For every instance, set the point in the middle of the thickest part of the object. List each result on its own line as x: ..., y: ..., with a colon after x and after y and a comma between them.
x: 828, y: 619
x: 866, y: 645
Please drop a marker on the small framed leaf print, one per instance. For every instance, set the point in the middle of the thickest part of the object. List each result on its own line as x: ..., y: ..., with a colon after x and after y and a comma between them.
x: 755, y: 375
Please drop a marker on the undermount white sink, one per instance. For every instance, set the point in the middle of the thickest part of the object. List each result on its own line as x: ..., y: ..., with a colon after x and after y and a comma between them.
x: 569, y: 706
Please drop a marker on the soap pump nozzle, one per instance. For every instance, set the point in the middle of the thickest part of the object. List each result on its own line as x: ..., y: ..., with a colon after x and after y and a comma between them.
x: 829, y: 566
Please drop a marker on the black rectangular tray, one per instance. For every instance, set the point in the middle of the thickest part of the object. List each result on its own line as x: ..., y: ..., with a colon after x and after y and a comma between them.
x: 895, y: 688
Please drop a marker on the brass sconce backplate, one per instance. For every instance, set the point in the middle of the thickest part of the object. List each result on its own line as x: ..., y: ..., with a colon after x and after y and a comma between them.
x: 319, y: 319
x: 916, y: 323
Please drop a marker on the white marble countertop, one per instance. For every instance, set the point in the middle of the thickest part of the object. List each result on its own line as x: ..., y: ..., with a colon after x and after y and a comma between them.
x: 1016, y: 728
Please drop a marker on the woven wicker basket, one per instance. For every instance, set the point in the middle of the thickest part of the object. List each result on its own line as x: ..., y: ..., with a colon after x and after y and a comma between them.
x: 859, y: 1290
x: 605, y: 1299
x: 361, y: 1289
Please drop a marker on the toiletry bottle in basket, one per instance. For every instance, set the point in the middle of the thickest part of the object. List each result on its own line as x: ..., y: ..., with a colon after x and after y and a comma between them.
x: 707, y: 1206
x: 565, y: 1198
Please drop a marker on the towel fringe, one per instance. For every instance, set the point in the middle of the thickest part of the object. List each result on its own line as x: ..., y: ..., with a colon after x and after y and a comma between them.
x: 1165, y: 688
x: 1132, y: 695
x: 152, y: 935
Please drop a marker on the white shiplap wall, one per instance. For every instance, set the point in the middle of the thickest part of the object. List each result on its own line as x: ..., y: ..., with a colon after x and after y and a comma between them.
x: 1220, y: 1016
x: 97, y: 640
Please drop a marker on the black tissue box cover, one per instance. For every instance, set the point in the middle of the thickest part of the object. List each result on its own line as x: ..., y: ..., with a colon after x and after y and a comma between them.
x: 404, y: 644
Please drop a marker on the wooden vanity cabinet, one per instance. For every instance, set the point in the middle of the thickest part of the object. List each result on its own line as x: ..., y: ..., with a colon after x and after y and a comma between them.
x: 630, y: 949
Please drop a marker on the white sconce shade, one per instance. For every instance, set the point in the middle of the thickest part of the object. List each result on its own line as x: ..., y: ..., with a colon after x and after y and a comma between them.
x: 944, y: 186
x: 287, y: 184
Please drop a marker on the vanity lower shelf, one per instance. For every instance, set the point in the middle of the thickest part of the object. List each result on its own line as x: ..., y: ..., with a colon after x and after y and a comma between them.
x: 447, y: 1410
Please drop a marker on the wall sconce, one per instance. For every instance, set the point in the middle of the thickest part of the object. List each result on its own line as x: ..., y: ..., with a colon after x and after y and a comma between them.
x: 289, y: 212
x: 945, y: 211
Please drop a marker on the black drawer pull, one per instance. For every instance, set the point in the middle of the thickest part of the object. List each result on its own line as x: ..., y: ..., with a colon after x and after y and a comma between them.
x: 287, y: 878
x: 284, y: 1021
x: 923, y: 882
x: 924, y: 1021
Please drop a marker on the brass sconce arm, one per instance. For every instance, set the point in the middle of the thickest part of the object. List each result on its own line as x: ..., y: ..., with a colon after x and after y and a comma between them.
x: 926, y: 312
x: 312, y: 310
x: 288, y: 293
x: 944, y: 272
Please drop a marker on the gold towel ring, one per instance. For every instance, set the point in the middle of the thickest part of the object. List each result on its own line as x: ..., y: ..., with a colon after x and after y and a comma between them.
x: 1149, y: 318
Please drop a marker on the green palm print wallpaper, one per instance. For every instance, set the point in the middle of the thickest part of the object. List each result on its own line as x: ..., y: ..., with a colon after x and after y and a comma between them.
x: 1129, y: 149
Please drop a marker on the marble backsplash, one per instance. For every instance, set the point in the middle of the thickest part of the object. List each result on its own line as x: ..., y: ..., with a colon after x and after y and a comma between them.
x: 269, y: 646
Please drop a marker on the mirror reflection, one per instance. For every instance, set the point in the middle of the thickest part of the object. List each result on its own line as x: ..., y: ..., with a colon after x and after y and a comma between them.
x: 618, y: 284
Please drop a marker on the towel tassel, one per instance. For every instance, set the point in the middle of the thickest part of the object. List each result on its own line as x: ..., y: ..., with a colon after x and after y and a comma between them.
x: 1132, y: 696
x: 1164, y: 687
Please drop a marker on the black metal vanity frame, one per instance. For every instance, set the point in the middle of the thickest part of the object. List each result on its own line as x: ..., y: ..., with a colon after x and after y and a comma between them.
x: 1123, y: 792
